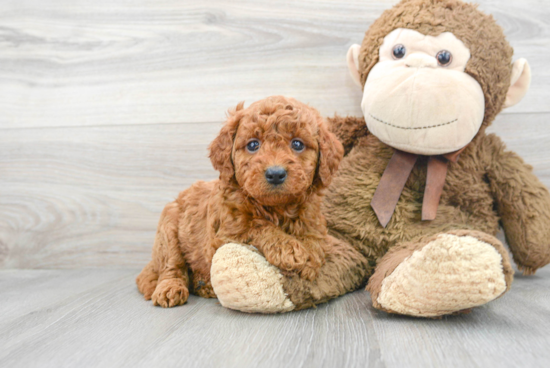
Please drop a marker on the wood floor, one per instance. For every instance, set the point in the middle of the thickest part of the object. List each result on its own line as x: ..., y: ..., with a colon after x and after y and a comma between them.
x: 96, y: 318
x: 106, y: 110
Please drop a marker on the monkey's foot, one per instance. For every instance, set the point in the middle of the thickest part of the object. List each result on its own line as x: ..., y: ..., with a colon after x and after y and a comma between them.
x: 243, y: 280
x: 446, y: 275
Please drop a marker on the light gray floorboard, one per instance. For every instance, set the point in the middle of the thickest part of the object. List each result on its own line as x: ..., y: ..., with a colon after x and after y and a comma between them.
x: 96, y: 318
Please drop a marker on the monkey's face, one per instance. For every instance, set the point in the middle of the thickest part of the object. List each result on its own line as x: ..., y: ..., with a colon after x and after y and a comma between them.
x: 418, y: 98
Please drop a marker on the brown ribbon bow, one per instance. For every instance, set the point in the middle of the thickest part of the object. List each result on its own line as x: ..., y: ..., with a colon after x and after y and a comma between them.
x: 395, y: 176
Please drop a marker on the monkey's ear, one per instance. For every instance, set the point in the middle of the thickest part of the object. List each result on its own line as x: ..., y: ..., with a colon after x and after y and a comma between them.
x: 353, y: 63
x: 221, y: 148
x: 519, y: 83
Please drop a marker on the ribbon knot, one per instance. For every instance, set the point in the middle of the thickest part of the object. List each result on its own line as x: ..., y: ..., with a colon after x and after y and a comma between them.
x: 395, y: 176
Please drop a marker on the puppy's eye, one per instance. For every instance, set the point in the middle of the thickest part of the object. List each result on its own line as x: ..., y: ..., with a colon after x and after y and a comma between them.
x: 253, y: 145
x: 399, y: 51
x: 297, y: 145
x: 444, y: 57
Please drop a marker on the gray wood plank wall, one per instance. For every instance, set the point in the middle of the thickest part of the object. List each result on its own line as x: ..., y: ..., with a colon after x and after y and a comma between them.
x: 107, y: 107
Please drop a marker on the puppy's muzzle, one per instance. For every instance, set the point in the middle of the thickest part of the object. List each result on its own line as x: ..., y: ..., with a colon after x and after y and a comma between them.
x: 275, y: 175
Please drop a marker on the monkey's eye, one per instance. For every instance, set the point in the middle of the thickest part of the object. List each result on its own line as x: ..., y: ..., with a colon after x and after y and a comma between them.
x: 444, y: 57
x: 399, y: 51
x: 253, y: 145
x: 297, y: 145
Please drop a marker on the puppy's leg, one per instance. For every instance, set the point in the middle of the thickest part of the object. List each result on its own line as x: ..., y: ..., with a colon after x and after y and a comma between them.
x: 173, y: 280
x: 316, y: 257
x: 147, y: 280
x: 200, y: 282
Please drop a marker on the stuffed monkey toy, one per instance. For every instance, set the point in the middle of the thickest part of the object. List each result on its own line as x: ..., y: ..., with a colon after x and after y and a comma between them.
x: 422, y: 189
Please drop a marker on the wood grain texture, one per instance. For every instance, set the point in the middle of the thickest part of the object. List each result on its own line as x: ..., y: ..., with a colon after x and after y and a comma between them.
x: 85, y: 197
x: 76, y: 63
x: 96, y: 318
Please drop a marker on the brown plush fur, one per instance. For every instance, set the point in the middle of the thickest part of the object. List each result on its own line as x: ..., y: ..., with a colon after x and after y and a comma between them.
x: 345, y: 270
x: 283, y: 222
x: 487, y: 187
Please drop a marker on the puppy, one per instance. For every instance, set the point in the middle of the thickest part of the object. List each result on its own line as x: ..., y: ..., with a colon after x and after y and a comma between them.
x: 274, y: 158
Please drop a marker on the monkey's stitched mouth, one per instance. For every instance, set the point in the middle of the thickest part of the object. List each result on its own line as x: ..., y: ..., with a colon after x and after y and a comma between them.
x: 413, y: 128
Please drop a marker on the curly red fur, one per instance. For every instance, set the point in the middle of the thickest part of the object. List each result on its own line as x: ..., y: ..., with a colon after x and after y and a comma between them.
x: 284, y: 222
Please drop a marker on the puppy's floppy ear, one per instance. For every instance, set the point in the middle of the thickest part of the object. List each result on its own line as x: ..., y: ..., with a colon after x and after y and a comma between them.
x: 330, y: 155
x: 221, y: 147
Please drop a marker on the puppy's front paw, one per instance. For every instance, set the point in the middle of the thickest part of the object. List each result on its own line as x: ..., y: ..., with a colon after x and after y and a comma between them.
x: 289, y: 256
x: 314, y: 263
x: 309, y: 273
x: 170, y: 293
x: 292, y: 257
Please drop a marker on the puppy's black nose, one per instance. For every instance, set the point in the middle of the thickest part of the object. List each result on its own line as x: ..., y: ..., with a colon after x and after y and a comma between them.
x: 275, y: 175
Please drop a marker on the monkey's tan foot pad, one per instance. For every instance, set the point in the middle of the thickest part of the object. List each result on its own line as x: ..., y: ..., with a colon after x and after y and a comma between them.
x: 243, y: 280
x: 449, y: 274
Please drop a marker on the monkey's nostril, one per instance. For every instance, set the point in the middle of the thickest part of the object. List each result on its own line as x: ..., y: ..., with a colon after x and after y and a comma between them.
x: 275, y: 175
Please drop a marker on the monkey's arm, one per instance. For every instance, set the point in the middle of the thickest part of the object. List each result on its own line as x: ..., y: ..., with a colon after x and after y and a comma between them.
x: 523, y: 204
x: 348, y: 130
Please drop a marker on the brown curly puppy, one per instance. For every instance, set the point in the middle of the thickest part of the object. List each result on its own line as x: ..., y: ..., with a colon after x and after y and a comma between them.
x: 274, y: 158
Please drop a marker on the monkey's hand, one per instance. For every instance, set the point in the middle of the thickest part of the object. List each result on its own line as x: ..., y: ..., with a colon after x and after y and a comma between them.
x: 523, y: 204
x: 348, y: 130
